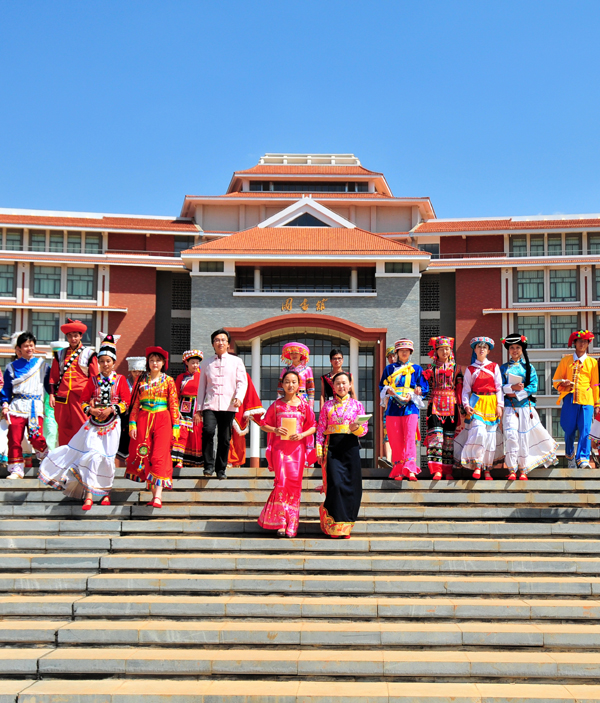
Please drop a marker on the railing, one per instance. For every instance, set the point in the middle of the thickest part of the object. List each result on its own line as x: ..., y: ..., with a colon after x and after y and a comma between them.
x: 503, y: 254
x: 317, y: 289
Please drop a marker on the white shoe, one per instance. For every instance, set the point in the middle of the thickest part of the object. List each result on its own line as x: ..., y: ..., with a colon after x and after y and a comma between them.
x: 13, y: 476
x: 584, y: 464
x: 572, y: 463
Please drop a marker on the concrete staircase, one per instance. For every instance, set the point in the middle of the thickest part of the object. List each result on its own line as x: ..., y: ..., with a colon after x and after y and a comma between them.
x: 447, y: 591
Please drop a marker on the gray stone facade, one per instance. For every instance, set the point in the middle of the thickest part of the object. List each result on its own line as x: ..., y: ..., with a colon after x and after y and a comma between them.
x: 396, y: 307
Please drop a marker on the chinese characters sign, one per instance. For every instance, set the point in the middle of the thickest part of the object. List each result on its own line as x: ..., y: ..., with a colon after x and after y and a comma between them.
x: 288, y: 305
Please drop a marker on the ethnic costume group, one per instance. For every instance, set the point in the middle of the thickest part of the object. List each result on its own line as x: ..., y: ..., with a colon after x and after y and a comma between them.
x: 478, y: 420
x: 481, y: 419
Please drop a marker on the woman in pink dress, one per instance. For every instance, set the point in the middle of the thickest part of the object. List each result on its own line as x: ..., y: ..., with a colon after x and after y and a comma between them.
x: 296, y: 356
x: 286, y: 456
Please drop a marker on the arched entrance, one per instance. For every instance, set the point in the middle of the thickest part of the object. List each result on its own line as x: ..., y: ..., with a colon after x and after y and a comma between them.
x: 260, y: 347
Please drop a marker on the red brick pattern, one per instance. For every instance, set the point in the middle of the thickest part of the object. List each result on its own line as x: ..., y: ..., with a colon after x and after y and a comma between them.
x: 133, y: 288
x: 476, y: 290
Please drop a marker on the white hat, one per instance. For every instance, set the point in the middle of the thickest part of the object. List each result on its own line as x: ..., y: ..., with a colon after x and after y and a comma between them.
x: 57, y: 346
x: 136, y: 363
x: 14, y: 336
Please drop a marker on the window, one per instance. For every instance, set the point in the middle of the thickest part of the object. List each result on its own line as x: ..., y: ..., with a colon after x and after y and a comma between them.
x: 553, y: 368
x: 44, y: 326
x: 244, y: 278
x: 540, y: 369
x: 518, y: 245
x: 561, y: 327
x: 557, y: 431
x: 93, y: 243
x: 180, y: 334
x: 88, y: 319
x: 572, y: 244
x: 536, y: 245
x: 398, y: 267
x: 181, y: 292
x: 593, y: 243
x: 534, y: 328
x: 80, y: 283
x: 306, y: 220
x: 310, y: 187
x: 318, y: 279
x: 46, y: 282
x: 563, y: 285
x: 211, y: 266
x: 74, y: 243
x: 433, y: 249
x: 596, y: 282
x: 365, y: 280
x: 530, y: 286
x: 37, y: 241
x: 14, y: 239
x: 182, y: 243
x: 7, y: 280
x: 542, y: 412
x: 6, y: 326
x: 555, y: 245
x: 57, y: 241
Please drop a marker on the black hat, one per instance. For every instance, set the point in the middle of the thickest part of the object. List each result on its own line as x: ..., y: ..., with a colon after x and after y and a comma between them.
x: 514, y: 339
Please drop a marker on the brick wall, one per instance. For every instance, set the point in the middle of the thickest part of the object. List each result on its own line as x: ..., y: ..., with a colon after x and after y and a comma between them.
x: 133, y: 288
x: 477, y: 289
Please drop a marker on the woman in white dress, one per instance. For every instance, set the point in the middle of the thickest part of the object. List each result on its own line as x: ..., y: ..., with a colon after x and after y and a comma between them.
x: 527, y: 443
x: 86, y: 466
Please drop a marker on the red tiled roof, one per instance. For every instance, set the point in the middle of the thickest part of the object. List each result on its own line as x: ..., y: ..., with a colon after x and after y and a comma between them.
x: 314, y: 196
x: 281, y: 169
x: 305, y: 240
x: 506, y: 223
x: 105, y: 223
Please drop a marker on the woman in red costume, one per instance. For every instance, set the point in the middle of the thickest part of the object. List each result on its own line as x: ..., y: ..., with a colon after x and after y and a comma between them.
x: 153, y: 426
x: 188, y: 448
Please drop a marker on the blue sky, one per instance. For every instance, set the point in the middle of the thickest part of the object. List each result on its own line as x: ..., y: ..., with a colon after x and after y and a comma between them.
x: 487, y: 108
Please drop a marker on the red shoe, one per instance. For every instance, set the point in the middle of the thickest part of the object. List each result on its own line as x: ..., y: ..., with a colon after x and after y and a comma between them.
x: 437, y: 476
x: 412, y: 477
x: 477, y: 474
x: 487, y: 476
x: 512, y: 476
x: 346, y: 536
x: 105, y: 500
x: 155, y: 503
x: 87, y: 505
x: 449, y: 477
x: 523, y: 476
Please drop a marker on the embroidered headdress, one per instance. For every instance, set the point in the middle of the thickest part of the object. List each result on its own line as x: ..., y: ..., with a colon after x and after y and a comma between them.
x: 136, y: 363
x: 442, y: 341
x: 390, y: 350
x: 521, y: 340
x: 293, y: 348
x: 580, y: 334
x: 404, y: 344
x: 192, y: 354
x: 108, y: 346
x: 480, y: 340
x: 73, y: 326
x: 159, y: 350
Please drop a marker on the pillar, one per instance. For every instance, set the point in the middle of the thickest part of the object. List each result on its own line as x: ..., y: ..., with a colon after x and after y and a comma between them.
x: 354, y: 362
x: 254, y: 453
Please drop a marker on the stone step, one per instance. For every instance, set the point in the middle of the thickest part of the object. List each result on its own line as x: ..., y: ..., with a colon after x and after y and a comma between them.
x: 367, y: 472
x: 196, y: 562
x: 289, y: 607
x: 549, y: 636
x: 164, y: 526
x: 82, y: 583
x: 153, y: 690
x: 140, y: 661
x: 271, y: 543
x: 66, y: 509
x: 266, y: 482
x: 379, y: 498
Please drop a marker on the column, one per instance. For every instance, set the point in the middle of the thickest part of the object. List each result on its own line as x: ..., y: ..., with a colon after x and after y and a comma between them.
x: 354, y: 281
x: 354, y: 361
x: 254, y: 453
x: 257, y: 288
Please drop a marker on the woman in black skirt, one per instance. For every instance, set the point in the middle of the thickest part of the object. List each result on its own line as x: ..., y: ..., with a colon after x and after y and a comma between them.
x: 338, y: 450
